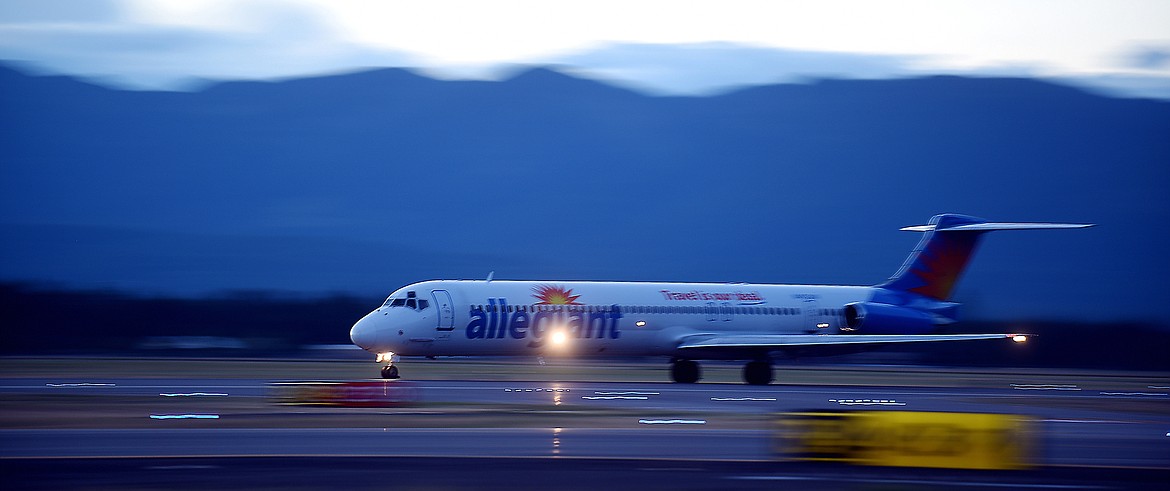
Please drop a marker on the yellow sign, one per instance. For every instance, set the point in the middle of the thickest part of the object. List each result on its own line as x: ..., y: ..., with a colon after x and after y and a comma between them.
x: 906, y: 438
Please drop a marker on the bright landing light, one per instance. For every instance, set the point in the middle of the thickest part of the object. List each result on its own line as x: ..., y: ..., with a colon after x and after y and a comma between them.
x: 1019, y: 338
x: 558, y: 338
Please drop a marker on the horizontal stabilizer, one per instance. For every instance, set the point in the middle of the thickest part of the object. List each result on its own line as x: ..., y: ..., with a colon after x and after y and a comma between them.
x: 785, y: 340
x: 989, y: 226
x: 948, y: 242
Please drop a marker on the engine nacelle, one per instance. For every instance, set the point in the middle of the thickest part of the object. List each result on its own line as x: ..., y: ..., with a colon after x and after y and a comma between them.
x: 883, y: 318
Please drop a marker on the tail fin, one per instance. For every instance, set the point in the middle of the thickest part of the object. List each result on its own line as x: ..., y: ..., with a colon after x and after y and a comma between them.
x: 935, y: 264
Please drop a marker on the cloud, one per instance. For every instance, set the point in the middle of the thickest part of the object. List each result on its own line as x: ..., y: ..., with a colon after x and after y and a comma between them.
x: 175, y: 45
x: 1150, y: 58
x: 59, y: 11
x: 705, y: 68
x: 122, y: 52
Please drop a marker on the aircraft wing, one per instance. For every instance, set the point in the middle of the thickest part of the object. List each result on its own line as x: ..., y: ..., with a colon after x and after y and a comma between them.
x: 787, y: 340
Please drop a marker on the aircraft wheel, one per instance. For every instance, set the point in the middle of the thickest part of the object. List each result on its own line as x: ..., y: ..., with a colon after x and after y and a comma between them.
x: 390, y: 371
x: 757, y: 373
x: 685, y: 371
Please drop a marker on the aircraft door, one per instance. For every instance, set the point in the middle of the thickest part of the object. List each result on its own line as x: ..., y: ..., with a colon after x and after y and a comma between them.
x: 446, y: 310
x: 812, y: 316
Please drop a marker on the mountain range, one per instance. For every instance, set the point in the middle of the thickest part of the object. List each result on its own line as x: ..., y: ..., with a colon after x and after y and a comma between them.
x: 362, y: 182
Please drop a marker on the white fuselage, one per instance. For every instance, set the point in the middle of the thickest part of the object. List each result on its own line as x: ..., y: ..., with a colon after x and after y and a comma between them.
x: 577, y: 318
x: 687, y: 321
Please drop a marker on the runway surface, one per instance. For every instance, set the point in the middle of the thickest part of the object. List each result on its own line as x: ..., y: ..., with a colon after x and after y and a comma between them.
x: 1122, y: 433
x: 380, y: 473
x: 654, y: 420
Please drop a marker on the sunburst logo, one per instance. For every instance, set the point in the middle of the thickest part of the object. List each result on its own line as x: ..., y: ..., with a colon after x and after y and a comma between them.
x: 554, y: 295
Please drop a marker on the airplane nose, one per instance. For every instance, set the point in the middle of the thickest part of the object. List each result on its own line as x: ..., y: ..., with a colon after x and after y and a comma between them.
x: 364, y: 333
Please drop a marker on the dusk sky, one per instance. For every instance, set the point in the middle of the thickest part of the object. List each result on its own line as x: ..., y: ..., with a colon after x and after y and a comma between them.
x: 1118, y: 46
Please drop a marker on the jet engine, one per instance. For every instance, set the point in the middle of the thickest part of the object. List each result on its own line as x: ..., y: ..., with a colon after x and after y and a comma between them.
x: 883, y: 318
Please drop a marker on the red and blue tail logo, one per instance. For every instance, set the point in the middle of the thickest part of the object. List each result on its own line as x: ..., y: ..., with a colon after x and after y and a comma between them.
x: 938, y: 260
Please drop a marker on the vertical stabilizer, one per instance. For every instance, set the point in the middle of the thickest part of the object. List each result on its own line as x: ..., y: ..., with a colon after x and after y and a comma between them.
x: 935, y: 264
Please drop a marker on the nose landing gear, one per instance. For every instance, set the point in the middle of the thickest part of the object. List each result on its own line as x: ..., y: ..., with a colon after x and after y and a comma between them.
x: 389, y: 371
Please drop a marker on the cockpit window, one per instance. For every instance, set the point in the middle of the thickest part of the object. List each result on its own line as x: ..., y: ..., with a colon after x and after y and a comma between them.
x: 410, y: 302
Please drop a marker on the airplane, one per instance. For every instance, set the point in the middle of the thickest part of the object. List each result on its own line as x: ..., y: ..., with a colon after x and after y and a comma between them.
x: 686, y: 322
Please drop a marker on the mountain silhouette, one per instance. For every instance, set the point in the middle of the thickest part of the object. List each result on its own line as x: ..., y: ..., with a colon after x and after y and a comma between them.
x: 368, y: 180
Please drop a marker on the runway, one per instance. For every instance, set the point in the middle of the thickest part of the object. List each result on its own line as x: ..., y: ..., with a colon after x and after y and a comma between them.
x: 380, y: 473
x: 1116, y: 425
x: 642, y: 420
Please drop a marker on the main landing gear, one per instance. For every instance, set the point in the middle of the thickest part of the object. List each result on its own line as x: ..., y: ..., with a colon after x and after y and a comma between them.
x: 685, y: 371
x: 757, y: 373
x: 389, y: 371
